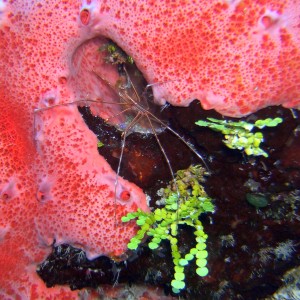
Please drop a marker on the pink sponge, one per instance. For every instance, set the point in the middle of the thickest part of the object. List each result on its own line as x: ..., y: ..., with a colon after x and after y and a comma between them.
x: 54, y: 186
x: 234, y: 56
x: 77, y: 189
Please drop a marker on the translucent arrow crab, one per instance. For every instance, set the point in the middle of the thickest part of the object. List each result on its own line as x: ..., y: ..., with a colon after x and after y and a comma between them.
x: 133, y: 112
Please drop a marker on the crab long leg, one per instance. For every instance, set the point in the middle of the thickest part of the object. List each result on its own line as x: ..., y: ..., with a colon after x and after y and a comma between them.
x: 167, y: 160
x: 36, y: 110
x: 182, y: 139
x: 124, y: 135
x: 146, y: 112
x: 118, y: 114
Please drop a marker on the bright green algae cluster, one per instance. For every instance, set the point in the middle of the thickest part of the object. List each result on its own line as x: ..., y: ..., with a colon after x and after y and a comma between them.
x: 238, y: 135
x: 184, y: 202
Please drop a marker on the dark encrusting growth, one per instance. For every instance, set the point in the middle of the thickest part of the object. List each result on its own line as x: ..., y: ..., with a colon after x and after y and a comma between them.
x: 249, y: 248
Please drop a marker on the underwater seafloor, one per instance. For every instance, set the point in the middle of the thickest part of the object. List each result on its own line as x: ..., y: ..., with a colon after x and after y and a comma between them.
x: 253, y: 251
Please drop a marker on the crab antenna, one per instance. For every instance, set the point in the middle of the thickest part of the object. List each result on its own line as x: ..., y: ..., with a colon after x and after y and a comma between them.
x: 133, y: 87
